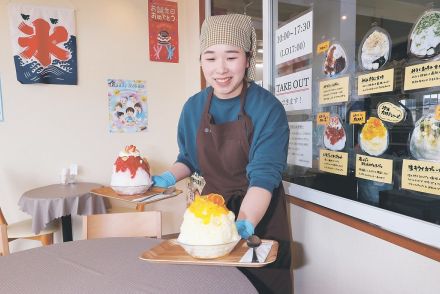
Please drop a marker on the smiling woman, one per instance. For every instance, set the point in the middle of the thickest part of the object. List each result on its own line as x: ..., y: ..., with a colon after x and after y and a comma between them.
x: 235, y: 134
x: 224, y: 67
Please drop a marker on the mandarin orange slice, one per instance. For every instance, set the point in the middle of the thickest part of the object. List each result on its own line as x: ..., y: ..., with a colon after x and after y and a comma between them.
x: 216, y: 198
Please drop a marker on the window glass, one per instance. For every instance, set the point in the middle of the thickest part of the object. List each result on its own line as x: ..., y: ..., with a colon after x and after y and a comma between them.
x: 363, y: 104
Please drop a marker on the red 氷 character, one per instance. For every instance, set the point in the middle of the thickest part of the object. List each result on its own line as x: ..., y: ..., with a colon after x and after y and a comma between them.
x: 41, y: 43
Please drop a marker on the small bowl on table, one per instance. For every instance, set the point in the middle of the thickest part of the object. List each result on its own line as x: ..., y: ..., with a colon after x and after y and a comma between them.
x: 209, y: 251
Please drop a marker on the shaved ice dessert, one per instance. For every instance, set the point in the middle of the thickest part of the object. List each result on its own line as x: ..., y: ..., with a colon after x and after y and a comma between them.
x: 335, y: 61
x: 425, y: 139
x: 334, y: 135
x: 374, y: 137
x: 131, y: 172
x: 208, y: 229
x: 425, y: 36
x: 375, y: 50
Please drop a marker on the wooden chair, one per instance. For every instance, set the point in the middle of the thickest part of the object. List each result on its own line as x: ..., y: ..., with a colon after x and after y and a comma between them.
x: 128, y: 224
x: 22, y: 230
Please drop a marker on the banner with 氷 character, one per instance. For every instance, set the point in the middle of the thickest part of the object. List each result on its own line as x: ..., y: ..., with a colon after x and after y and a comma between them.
x: 43, y: 44
x: 128, y: 109
x: 163, y: 31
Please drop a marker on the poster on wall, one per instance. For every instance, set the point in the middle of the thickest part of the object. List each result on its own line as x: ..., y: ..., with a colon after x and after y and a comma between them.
x: 43, y: 44
x: 127, y: 101
x: 163, y: 31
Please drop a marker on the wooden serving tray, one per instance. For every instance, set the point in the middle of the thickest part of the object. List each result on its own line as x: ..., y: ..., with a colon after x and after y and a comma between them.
x: 170, y: 251
x: 109, y: 192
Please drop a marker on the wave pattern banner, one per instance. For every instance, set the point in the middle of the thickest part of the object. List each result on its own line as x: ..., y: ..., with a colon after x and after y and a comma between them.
x: 44, y: 44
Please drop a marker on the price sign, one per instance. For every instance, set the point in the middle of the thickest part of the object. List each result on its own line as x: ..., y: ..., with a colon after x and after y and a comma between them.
x: 323, y: 118
x: 322, y: 47
x: 357, y: 117
x: 294, y: 39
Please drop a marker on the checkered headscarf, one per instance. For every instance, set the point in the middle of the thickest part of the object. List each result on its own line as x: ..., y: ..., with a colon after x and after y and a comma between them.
x: 231, y: 29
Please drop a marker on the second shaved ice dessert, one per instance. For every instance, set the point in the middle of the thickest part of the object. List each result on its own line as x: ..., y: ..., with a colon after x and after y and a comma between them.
x: 131, y: 172
x: 208, y: 229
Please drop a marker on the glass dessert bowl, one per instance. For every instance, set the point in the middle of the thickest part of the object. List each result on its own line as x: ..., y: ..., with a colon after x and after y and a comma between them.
x: 131, y: 190
x: 209, y: 251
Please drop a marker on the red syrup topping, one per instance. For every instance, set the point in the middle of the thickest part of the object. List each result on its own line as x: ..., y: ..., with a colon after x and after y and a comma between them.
x: 334, y: 134
x: 132, y: 163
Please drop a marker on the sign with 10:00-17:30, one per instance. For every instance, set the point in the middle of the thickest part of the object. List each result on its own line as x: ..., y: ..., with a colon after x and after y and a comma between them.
x: 294, y: 39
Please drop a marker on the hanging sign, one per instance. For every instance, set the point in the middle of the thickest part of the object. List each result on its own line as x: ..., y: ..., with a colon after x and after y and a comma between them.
x: 43, y: 44
x: 163, y: 31
x: 294, y: 39
x: 295, y: 90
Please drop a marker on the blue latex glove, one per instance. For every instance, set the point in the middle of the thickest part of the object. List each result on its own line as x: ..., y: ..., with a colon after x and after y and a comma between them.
x: 164, y: 180
x: 244, y: 228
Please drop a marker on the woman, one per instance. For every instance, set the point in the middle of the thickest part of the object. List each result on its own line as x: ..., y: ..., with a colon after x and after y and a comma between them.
x: 235, y: 134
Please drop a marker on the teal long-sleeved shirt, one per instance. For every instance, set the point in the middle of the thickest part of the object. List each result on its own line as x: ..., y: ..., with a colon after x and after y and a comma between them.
x: 268, y: 151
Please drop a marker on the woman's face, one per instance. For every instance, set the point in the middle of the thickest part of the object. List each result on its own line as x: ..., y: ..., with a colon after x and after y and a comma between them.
x: 224, y: 67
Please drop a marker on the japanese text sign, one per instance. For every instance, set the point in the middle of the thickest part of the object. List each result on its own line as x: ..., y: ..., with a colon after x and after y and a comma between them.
x: 163, y: 31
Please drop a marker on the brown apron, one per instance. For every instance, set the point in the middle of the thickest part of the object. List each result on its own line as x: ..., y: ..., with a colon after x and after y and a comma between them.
x: 223, y: 154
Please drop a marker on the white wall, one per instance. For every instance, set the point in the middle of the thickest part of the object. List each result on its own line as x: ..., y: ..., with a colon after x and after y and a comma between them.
x: 47, y: 127
x: 333, y: 258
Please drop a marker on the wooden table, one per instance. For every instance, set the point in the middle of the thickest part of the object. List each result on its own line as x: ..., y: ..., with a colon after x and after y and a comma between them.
x: 47, y: 203
x: 111, y: 265
x: 152, y: 192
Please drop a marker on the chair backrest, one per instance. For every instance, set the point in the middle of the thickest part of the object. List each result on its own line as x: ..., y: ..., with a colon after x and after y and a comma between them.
x: 2, y: 218
x: 128, y: 224
x: 4, y: 242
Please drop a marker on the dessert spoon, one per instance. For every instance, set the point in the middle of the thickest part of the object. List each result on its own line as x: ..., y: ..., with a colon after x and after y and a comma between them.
x: 167, y: 191
x: 253, y: 242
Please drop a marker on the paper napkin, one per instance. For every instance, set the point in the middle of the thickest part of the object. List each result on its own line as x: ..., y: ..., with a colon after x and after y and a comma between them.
x: 262, y: 252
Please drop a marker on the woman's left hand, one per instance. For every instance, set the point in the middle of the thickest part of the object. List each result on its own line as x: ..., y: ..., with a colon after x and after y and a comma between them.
x: 244, y: 228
